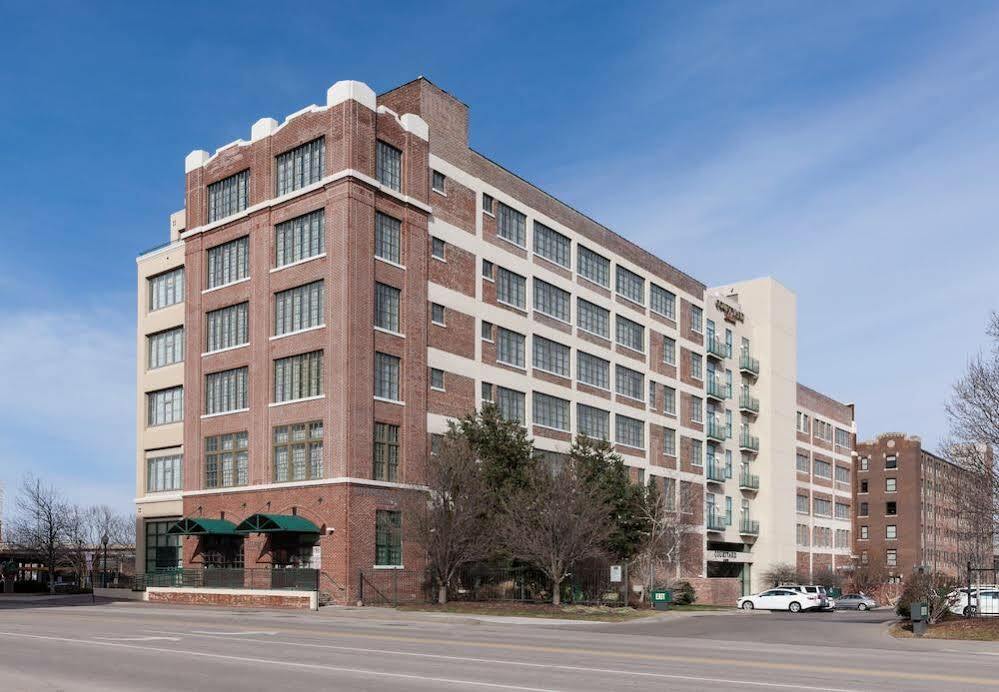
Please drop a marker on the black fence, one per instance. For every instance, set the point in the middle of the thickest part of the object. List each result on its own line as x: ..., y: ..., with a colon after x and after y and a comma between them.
x: 260, y: 578
x: 979, y: 597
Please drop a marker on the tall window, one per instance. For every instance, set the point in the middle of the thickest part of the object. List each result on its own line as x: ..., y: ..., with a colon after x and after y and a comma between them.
x: 438, y: 181
x: 802, y: 504
x: 165, y: 348
x: 823, y: 469
x: 162, y: 549
x: 227, y: 460
x: 550, y: 411
x: 696, y: 319
x: 669, y: 350
x: 511, y: 225
x: 630, y: 334
x: 551, y: 245
x: 551, y: 300
x: 697, y: 452
x: 662, y: 302
x: 822, y: 508
x: 299, y: 238
x: 669, y: 442
x: 388, y: 238
x: 628, y: 382
x: 164, y: 473
x: 630, y: 285
x: 166, y: 289
x: 629, y: 431
x: 801, y: 534
x: 386, y: 452
x: 298, y: 452
x: 387, y: 301
x: 842, y: 474
x: 842, y: 511
x: 226, y: 391
x: 165, y: 406
x: 511, y: 404
x: 696, y: 409
x: 388, y: 166
x: 228, y: 196
x: 842, y: 438
x: 387, y: 376
x: 696, y: 366
x: 891, y: 557
x: 511, y: 288
x: 669, y: 401
x: 592, y: 370
x: 592, y: 266
x: 803, y: 464
x: 550, y: 356
x: 299, y: 308
x: 593, y: 422
x: 593, y: 318
x: 298, y: 377
x: 229, y: 262
x: 388, y: 538
x: 890, y: 485
x: 301, y: 166
x: 227, y: 327
x: 510, y: 348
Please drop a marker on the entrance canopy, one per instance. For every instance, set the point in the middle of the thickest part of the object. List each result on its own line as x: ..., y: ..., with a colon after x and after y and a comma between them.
x: 276, y: 523
x: 197, y: 526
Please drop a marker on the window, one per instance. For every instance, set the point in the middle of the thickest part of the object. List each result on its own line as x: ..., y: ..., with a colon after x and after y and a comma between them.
x: 511, y: 225
x: 486, y: 330
x: 891, y: 509
x: 891, y: 557
x: 865, y: 463
x: 669, y: 401
x: 593, y: 318
x: 438, y: 249
x: 822, y: 508
x: 227, y: 327
x: 388, y: 238
x: 890, y: 485
x: 487, y: 203
x: 891, y: 461
x: 301, y: 166
x: 387, y: 300
x: 823, y: 469
x: 165, y: 406
x: 550, y: 412
x: 669, y: 442
x: 842, y: 438
x: 802, y: 504
x: 388, y: 166
x: 299, y: 308
x: 592, y: 266
x: 803, y: 464
x: 510, y: 404
x: 662, y: 301
x: 298, y: 452
x: 510, y: 348
x: 593, y: 422
x: 865, y: 532
x: 696, y: 409
x: 511, y: 288
x: 436, y: 440
x: 437, y: 314
x: 630, y: 334
x: 891, y: 531
x: 388, y: 538
x: 696, y: 319
x: 438, y: 182
x: 696, y: 366
x: 728, y: 343
x: 628, y: 382
x: 652, y: 394
x: 227, y: 460
x: 628, y: 431
x: 669, y: 350
x: 592, y: 370
x: 728, y: 510
x: 862, y: 511
x: 823, y: 430
x: 386, y: 452
x: 228, y: 196
x: 164, y: 473
x: 842, y: 474
x: 166, y: 289
x: 165, y: 348
x: 298, y: 377
x: 162, y: 549
x: 436, y: 379
x: 551, y: 356
x: 487, y: 269
x: 863, y: 486
x: 229, y: 262
x: 299, y: 239
x: 551, y: 245
x: 630, y: 285
x: 801, y: 534
x: 842, y: 511
x: 487, y: 391
x: 697, y: 452
x: 551, y: 300
x: 387, y: 376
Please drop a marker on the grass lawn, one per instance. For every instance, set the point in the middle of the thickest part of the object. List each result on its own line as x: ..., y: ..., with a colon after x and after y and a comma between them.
x: 978, y: 629
x: 536, y: 610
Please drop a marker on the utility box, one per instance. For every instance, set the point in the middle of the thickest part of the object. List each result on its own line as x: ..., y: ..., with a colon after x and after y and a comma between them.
x: 919, y: 613
x: 661, y: 598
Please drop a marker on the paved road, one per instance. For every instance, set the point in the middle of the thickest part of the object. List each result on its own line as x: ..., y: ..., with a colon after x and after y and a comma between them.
x: 134, y: 646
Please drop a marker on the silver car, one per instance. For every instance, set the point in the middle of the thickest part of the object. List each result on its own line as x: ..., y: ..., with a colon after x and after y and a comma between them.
x: 855, y: 601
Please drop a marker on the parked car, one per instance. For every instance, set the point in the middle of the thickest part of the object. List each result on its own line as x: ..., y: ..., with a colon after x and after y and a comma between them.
x: 780, y: 599
x: 854, y: 601
x: 983, y: 600
x: 814, y: 589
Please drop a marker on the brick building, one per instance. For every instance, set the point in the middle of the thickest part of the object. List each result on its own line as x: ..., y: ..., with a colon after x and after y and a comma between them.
x: 343, y: 283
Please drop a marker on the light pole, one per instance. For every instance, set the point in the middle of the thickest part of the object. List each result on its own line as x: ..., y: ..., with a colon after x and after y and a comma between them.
x: 104, y: 542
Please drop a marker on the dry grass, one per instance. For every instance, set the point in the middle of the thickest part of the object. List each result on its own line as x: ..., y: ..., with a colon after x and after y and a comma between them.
x: 980, y: 629
x: 536, y: 610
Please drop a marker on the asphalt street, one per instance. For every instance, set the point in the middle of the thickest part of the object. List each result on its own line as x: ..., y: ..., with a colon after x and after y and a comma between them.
x: 135, y: 646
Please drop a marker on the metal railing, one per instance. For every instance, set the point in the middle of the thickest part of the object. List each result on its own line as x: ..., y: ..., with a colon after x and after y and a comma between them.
x: 749, y: 442
x: 749, y: 364
x: 749, y: 527
x: 715, y: 469
x: 715, y: 430
x: 749, y: 480
x: 749, y: 403
x: 714, y: 521
x: 715, y: 388
x: 257, y: 578
x: 715, y: 347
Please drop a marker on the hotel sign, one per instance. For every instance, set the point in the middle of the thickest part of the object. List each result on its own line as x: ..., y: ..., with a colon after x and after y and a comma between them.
x: 731, y: 314
x: 729, y: 556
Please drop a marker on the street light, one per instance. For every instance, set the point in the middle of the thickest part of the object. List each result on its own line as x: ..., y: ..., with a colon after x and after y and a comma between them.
x: 104, y: 542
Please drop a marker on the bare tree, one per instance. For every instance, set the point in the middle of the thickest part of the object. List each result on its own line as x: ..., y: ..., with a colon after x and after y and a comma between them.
x: 41, y: 525
x: 783, y: 573
x: 452, y: 524
x: 554, y: 521
x: 668, y: 520
x: 868, y: 578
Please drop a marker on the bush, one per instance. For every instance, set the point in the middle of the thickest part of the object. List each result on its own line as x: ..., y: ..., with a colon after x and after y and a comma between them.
x: 933, y: 589
x: 683, y: 593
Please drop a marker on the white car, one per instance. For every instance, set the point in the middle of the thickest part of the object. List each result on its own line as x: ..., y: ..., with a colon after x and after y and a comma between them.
x: 780, y: 599
x: 984, y: 600
x: 815, y: 590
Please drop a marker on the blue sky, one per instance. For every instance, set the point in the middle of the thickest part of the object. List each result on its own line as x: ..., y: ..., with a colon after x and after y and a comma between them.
x: 850, y: 150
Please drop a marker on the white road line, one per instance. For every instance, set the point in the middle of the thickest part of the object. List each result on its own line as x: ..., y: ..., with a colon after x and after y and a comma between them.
x: 525, y: 664
x: 286, y: 664
x: 138, y: 639
x: 230, y: 633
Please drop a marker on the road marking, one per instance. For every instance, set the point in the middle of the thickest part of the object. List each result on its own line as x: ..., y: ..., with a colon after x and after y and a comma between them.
x: 139, y: 639
x: 286, y: 664
x: 227, y: 633
x: 550, y: 666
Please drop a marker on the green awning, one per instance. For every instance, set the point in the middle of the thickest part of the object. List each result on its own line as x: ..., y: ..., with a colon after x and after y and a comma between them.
x: 276, y: 523
x: 197, y: 526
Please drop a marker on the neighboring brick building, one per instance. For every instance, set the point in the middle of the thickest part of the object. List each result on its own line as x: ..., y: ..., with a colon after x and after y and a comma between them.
x: 355, y: 277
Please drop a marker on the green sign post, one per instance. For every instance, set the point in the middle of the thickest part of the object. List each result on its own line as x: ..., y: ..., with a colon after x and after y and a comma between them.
x: 661, y: 598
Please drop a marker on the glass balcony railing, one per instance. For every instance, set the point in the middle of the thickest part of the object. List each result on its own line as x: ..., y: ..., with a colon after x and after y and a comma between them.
x: 715, y: 347
x: 748, y: 403
x: 749, y: 442
x: 715, y: 430
x: 749, y: 364
x: 715, y: 469
x: 749, y: 481
x: 716, y: 389
x: 714, y: 521
x: 749, y: 527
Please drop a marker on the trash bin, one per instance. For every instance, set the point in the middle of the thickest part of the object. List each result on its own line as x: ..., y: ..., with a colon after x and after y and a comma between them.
x: 661, y: 598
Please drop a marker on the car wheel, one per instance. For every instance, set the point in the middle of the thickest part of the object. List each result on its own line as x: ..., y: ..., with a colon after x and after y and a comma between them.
x: 862, y: 606
x: 970, y: 610
x: 795, y: 607
x: 748, y: 605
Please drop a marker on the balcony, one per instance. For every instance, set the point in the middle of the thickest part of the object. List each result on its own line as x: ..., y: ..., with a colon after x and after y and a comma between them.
x: 748, y: 404
x: 749, y: 527
x: 715, y: 430
x: 714, y: 522
x: 715, y: 347
x: 749, y: 481
x: 749, y: 365
x: 716, y: 389
x: 749, y: 443
x: 715, y: 469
